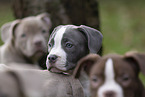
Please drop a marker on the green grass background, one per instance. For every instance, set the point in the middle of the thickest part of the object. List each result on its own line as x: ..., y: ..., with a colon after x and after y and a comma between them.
x: 122, y: 24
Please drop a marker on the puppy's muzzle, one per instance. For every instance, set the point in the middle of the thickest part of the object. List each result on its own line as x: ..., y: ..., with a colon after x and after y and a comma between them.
x: 52, y: 58
x: 38, y: 43
x: 109, y: 94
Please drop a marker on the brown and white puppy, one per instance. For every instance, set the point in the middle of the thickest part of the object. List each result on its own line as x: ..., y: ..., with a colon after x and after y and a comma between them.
x: 114, y: 75
x: 25, y: 40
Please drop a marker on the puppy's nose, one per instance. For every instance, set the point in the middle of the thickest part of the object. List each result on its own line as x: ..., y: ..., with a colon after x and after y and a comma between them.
x: 38, y: 43
x: 109, y: 94
x: 52, y: 58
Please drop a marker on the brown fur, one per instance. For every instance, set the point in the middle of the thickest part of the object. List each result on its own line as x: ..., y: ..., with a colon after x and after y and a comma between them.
x: 130, y: 64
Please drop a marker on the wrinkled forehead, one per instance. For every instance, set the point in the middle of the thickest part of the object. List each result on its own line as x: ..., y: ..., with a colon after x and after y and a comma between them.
x: 29, y: 30
x: 59, y: 31
x: 119, y: 65
x: 33, y: 25
x: 62, y: 31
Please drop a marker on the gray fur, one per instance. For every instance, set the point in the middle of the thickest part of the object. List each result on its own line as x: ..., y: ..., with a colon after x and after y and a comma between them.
x: 42, y: 83
x: 21, y: 38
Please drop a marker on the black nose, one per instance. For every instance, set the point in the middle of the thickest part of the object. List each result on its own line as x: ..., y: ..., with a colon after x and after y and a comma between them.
x: 109, y: 94
x: 52, y: 58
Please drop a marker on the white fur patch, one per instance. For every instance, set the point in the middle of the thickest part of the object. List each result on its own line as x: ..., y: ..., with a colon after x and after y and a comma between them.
x: 110, y: 84
x: 57, y: 49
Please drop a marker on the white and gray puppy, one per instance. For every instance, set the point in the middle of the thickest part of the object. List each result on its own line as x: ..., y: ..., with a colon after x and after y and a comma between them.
x: 69, y: 43
x: 25, y: 40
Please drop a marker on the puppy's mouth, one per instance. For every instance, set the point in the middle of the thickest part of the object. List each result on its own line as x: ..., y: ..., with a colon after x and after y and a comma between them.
x: 56, y: 70
x: 40, y: 51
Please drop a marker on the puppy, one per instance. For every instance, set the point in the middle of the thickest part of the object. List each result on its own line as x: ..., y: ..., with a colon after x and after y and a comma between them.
x: 25, y: 40
x: 114, y: 75
x: 37, y: 83
x: 69, y: 43
x: 10, y: 85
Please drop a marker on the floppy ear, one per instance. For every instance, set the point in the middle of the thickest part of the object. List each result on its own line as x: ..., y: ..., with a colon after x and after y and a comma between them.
x: 86, y: 63
x: 45, y: 17
x: 138, y: 59
x: 7, y: 30
x: 94, y: 38
x: 4, y: 31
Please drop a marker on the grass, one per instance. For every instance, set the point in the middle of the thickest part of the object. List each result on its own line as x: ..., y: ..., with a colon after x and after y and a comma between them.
x: 122, y: 24
x: 6, y: 14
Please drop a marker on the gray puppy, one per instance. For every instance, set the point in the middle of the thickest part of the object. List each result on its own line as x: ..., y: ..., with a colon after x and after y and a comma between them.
x: 37, y: 83
x: 25, y: 40
x: 10, y: 84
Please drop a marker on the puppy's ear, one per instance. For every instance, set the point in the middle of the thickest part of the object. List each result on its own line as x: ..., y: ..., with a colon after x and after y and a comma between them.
x: 4, y: 31
x: 7, y: 30
x: 45, y: 17
x: 138, y: 59
x: 86, y: 63
x: 94, y: 38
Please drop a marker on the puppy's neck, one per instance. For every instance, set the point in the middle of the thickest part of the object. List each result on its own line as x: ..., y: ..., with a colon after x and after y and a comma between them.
x: 84, y: 80
x: 12, y: 54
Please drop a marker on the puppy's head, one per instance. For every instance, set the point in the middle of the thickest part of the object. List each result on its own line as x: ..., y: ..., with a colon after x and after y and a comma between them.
x: 113, y: 75
x: 68, y: 44
x: 29, y: 35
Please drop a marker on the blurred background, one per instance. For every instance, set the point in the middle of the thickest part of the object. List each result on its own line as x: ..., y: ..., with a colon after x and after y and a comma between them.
x: 122, y: 23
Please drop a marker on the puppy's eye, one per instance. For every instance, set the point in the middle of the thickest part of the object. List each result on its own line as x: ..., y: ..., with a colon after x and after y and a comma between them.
x: 43, y: 31
x: 69, y: 45
x: 94, y: 79
x: 125, y: 78
x: 23, y: 35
